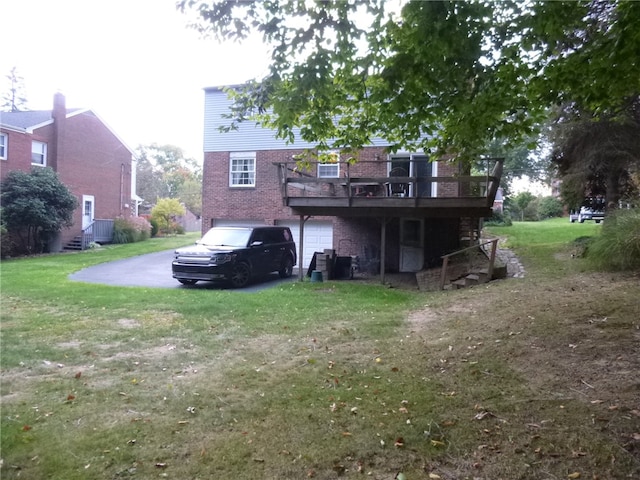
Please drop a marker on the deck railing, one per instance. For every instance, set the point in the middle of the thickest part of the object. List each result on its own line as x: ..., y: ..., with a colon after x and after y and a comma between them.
x: 369, y: 179
x: 97, y: 231
x: 492, y: 259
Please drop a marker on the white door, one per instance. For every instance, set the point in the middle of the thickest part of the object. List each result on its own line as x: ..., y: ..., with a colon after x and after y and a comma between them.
x: 88, y: 210
x: 411, y: 244
x: 318, y: 236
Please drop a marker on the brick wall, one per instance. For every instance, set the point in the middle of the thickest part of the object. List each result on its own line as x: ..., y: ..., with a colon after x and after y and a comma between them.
x: 351, y: 236
x: 19, y: 153
x: 89, y: 160
x: 263, y: 202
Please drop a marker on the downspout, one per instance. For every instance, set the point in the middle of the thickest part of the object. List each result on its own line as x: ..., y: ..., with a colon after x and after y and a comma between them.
x: 121, y: 188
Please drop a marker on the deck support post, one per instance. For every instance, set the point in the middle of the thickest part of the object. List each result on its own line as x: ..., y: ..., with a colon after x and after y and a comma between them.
x: 383, y: 247
x: 301, y: 248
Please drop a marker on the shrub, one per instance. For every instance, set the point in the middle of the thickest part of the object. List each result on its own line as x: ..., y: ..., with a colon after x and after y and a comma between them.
x: 499, y: 219
x: 35, y: 205
x: 154, y: 227
x: 549, y: 207
x: 617, y: 247
x: 165, y: 213
x: 129, y: 230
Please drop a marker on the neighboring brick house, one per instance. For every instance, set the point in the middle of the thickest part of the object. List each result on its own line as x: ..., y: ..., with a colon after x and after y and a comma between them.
x: 89, y: 158
x: 362, y: 208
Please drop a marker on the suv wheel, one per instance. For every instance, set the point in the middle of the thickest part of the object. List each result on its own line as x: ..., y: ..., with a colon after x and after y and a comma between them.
x: 286, y: 270
x: 240, y: 275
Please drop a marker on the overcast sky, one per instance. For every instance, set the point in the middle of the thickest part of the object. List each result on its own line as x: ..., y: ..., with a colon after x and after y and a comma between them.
x: 134, y: 62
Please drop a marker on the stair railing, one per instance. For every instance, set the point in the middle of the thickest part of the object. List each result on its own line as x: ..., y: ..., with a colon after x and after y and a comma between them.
x: 492, y: 259
x: 87, y: 236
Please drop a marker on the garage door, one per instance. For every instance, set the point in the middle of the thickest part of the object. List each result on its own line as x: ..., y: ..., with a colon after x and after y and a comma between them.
x: 318, y: 235
x: 238, y: 223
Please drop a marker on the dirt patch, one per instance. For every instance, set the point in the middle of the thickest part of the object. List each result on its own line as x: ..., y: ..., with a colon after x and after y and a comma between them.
x: 128, y: 323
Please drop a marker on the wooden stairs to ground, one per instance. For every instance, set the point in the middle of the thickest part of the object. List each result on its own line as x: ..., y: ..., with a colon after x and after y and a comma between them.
x: 470, y: 279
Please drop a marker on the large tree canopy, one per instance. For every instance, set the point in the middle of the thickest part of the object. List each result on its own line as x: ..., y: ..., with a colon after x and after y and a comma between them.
x: 446, y: 76
x: 164, y: 172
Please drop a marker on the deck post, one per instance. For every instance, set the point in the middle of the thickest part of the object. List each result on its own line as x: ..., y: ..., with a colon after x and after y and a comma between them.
x: 443, y: 273
x: 383, y: 247
x: 301, y: 250
x: 492, y: 259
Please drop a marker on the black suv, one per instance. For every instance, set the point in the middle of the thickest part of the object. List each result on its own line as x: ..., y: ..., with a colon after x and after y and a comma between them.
x: 235, y: 255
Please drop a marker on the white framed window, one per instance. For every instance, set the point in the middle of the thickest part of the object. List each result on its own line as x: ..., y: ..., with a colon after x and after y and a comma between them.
x: 4, y: 144
x: 242, y: 169
x: 329, y: 165
x: 39, y: 153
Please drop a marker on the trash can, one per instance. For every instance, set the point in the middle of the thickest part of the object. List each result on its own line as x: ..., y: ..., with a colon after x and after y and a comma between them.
x: 316, y: 276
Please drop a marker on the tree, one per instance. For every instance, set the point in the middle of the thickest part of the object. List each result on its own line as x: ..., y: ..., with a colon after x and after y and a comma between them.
x: 519, y: 161
x: 34, y: 206
x: 597, y: 156
x: 444, y: 76
x: 519, y: 203
x: 14, y: 99
x: 164, y: 213
x: 164, y: 172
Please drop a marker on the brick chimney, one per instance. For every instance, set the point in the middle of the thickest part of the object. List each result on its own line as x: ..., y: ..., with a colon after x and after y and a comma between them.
x: 59, y: 114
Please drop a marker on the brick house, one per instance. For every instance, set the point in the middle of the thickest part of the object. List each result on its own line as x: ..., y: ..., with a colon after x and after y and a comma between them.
x: 399, y: 212
x: 89, y: 158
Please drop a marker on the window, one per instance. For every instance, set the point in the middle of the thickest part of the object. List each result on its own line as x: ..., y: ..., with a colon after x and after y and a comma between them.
x: 329, y: 165
x: 4, y: 139
x: 242, y: 170
x: 39, y: 153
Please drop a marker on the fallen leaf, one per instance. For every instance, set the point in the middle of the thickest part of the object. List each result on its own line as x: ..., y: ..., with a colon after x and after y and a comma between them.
x: 70, y: 397
x: 483, y: 414
x: 346, y: 434
x: 78, y: 375
x: 26, y: 428
x: 437, y: 443
x: 161, y: 465
x: 574, y: 475
x: 434, y: 476
x: 399, y: 442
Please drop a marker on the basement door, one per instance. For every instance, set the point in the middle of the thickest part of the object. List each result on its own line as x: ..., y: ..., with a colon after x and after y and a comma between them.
x: 88, y: 210
x: 411, y: 244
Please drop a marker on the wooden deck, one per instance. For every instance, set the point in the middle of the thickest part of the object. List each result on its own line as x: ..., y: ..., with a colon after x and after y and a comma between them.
x: 377, y: 196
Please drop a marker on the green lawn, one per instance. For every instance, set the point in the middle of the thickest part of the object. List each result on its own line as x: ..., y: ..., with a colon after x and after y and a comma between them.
x: 321, y: 380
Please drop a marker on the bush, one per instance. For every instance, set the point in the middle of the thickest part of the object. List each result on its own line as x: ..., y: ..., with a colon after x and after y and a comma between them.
x: 499, y: 219
x: 617, y: 247
x: 129, y: 230
x: 154, y: 227
x: 549, y: 207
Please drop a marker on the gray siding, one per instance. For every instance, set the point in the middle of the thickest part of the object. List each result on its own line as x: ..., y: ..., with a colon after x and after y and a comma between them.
x: 249, y: 136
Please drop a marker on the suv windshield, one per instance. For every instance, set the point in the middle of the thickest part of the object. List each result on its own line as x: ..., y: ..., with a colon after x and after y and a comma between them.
x: 230, y: 237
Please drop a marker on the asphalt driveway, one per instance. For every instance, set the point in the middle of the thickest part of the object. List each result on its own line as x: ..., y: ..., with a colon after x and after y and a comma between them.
x: 154, y: 270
